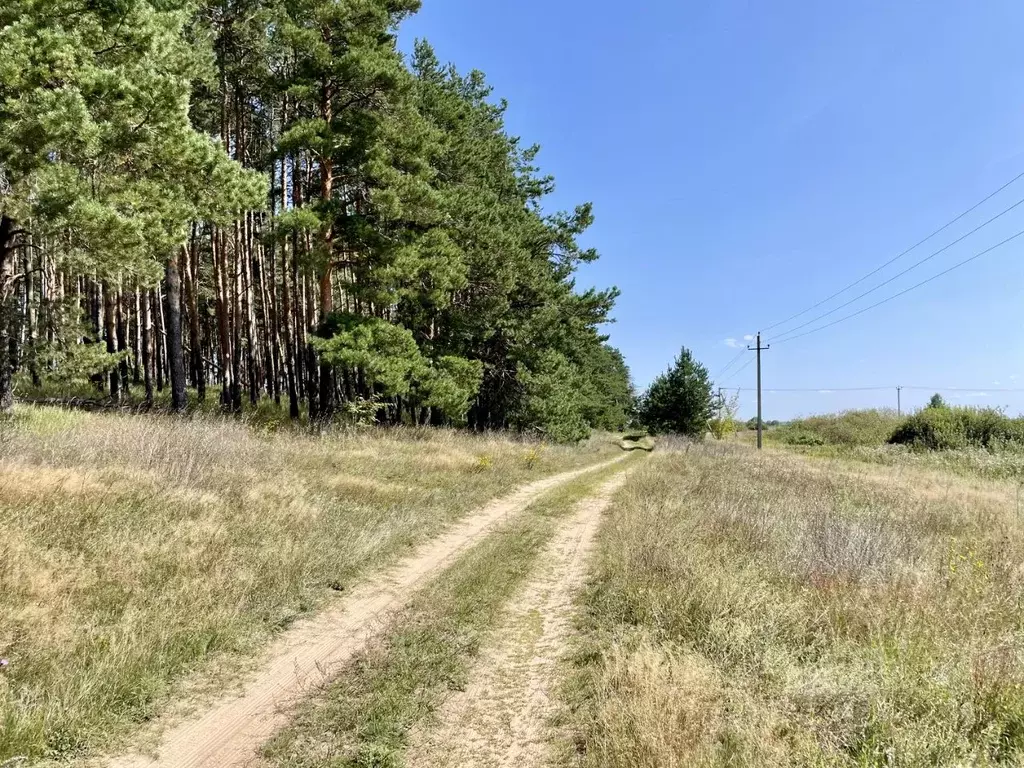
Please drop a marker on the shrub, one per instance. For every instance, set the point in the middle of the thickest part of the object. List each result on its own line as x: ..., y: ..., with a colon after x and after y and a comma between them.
x: 803, y: 438
x: 849, y: 428
x: 944, y: 428
x: 725, y: 423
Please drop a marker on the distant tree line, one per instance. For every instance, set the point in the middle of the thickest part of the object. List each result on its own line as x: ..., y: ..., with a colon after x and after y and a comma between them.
x: 263, y: 198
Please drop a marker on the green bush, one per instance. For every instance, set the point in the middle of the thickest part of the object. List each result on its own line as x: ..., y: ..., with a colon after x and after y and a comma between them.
x: 849, y: 428
x: 944, y: 428
x: 803, y: 438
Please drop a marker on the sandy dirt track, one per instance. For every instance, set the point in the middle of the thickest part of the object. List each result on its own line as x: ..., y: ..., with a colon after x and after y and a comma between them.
x: 230, y: 732
x: 502, y: 717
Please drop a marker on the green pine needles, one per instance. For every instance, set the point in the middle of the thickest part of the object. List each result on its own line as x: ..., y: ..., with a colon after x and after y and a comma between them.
x: 679, y: 401
x: 264, y: 200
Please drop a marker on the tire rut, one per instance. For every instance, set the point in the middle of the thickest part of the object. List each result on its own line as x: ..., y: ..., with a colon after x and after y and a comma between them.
x: 501, y: 719
x: 230, y: 732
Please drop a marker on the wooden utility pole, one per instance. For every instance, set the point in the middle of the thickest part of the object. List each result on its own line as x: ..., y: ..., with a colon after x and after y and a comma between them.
x: 760, y: 423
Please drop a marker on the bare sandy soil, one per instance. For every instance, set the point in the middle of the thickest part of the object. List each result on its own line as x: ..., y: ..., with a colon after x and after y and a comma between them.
x: 502, y: 718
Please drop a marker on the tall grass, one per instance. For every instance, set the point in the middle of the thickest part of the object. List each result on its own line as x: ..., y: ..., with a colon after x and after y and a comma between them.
x: 134, y: 549
x: 757, y: 610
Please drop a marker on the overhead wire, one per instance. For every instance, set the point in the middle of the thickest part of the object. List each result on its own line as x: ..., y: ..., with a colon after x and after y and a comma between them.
x: 898, y: 275
x: 731, y: 363
x: 830, y: 390
x: 962, y: 389
x: 825, y: 390
x: 786, y: 337
x: 738, y: 371
x: 899, y: 256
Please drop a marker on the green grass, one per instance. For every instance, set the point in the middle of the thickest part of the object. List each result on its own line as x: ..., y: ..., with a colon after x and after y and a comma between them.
x: 767, y: 610
x: 364, y: 718
x: 981, y: 463
x: 966, y: 442
x: 135, y: 551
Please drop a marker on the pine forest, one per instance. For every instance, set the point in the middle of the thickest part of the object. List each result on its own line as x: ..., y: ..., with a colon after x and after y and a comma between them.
x: 265, y: 204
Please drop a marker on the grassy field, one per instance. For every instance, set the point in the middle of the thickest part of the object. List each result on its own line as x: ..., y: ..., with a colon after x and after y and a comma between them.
x: 135, y: 551
x: 776, y: 610
x: 863, y: 436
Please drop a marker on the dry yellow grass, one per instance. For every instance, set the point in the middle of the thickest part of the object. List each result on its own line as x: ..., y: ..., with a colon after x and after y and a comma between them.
x: 766, y: 610
x: 134, y: 549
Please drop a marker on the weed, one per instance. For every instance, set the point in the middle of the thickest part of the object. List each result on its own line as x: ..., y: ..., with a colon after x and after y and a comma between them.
x: 532, y: 456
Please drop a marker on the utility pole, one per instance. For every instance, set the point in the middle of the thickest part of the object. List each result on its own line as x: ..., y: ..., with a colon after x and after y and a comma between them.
x: 899, y: 402
x: 760, y: 423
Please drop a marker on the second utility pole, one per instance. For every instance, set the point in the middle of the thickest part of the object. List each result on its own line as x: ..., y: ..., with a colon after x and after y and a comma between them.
x: 760, y: 423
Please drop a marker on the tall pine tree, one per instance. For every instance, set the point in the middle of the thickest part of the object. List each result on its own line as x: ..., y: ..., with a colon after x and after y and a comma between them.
x: 99, y: 162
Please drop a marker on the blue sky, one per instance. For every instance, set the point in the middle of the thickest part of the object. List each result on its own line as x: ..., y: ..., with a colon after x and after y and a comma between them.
x: 748, y: 159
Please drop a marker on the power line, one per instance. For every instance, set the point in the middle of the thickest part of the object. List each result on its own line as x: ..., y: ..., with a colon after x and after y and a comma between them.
x: 830, y: 390
x: 901, y: 293
x: 826, y: 390
x: 731, y: 363
x: 905, y: 271
x: 896, y: 258
x: 739, y: 370
x: 964, y: 389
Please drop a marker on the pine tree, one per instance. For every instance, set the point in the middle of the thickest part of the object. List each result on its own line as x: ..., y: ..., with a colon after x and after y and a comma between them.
x: 679, y: 401
x: 98, y: 158
x: 386, y: 249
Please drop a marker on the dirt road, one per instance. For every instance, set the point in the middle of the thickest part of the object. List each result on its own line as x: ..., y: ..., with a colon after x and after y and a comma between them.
x: 501, y: 719
x: 230, y: 732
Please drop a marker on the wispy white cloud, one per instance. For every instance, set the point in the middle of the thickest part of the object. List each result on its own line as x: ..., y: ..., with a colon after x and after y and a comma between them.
x: 824, y: 391
x: 995, y: 383
x: 737, y: 343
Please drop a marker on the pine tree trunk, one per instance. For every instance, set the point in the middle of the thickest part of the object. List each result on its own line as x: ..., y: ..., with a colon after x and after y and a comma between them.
x: 271, y: 318
x: 122, y: 339
x: 31, y: 315
x: 194, y: 335
x: 326, y: 370
x: 146, y: 321
x: 235, y: 276
x: 289, y: 346
x: 249, y: 312
x: 8, y: 314
x: 110, y: 332
x: 223, y: 320
x: 137, y: 339
x: 175, y: 351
